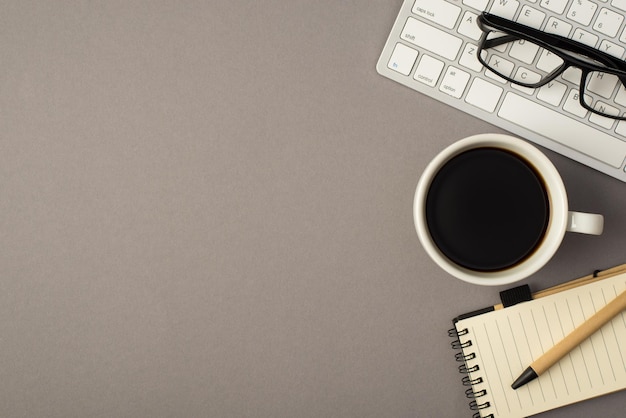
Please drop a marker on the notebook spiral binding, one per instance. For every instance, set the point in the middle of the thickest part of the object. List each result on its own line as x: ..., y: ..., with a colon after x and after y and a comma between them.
x: 465, y: 368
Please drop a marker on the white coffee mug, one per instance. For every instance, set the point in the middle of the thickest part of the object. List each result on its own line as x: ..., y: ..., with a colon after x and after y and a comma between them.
x: 560, y: 219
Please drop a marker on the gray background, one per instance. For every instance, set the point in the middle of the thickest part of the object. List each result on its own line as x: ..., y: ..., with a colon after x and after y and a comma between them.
x: 206, y: 211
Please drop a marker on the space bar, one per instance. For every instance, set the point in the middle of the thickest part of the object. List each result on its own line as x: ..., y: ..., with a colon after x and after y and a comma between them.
x: 562, y: 129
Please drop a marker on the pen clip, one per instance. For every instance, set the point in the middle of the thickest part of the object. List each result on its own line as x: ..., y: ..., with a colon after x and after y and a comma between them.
x: 516, y: 295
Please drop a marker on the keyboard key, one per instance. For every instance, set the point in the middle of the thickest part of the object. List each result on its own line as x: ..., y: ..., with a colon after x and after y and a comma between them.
x: 608, y: 22
x: 468, y: 58
x: 479, y: 5
x: 524, y: 51
x: 582, y: 11
x: 620, y: 4
x: 602, y: 84
x: 428, y: 70
x: 504, y: 67
x: 437, y: 11
x: 552, y: 93
x: 531, y: 17
x: 549, y: 61
x: 432, y: 39
x: 612, y: 49
x: 585, y: 37
x: 572, y: 104
x: 454, y: 82
x: 504, y: 8
x: 558, y: 27
x: 468, y: 26
x: 484, y: 95
x: 562, y: 129
x: 606, y: 123
x: 557, y: 6
x: 621, y: 129
x: 528, y: 76
x: 402, y: 59
x: 573, y: 75
x: 620, y: 98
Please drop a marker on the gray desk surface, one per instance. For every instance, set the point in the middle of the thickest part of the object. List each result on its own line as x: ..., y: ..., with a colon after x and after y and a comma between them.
x: 206, y: 212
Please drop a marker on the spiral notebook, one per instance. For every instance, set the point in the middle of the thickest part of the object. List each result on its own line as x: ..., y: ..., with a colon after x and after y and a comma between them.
x: 497, y: 343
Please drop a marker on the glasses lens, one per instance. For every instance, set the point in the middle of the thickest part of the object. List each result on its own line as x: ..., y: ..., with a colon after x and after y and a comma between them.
x: 518, y: 61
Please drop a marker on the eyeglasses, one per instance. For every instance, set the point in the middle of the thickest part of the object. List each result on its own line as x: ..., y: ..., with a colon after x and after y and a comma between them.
x: 546, y: 56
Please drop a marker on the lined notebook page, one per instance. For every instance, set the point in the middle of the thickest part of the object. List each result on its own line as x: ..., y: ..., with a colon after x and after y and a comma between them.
x: 506, y: 341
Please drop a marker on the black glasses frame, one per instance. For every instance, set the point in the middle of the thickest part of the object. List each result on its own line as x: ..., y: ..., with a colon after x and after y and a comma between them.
x: 563, y: 47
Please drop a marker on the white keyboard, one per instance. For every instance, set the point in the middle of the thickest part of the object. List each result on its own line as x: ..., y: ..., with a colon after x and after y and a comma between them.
x: 432, y: 47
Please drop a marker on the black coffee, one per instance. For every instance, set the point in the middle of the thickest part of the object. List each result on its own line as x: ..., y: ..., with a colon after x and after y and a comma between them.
x: 487, y: 209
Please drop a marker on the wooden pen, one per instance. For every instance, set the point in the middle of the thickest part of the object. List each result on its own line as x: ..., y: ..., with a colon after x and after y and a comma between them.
x: 572, y: 340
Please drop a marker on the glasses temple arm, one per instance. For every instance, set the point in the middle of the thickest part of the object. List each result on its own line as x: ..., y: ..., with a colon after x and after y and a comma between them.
x: 495, y: 42
x: 514, y: 31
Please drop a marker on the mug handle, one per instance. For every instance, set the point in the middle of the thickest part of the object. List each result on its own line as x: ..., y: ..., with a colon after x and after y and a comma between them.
x: 585, y: 223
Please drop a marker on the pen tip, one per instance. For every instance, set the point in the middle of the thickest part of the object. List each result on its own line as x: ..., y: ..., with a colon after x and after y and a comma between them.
x: 528, y: 375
